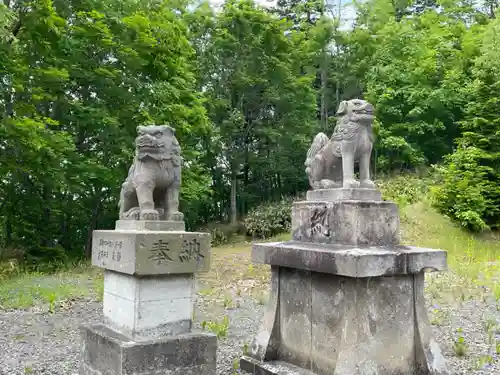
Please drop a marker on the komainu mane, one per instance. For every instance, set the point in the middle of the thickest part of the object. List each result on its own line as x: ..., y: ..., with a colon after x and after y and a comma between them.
x: 151, y: 190
x: 330, y: 162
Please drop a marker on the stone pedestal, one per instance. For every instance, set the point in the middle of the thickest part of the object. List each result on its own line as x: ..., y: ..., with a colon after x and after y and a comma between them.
x: 346, y: 298
x: 148, y: 302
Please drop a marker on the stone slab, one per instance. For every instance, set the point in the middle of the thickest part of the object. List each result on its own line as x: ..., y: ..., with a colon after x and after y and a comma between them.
x: 107, y: 352
x: 360, y: 223
x: 345, y: 326
x: 341, y: 194
x: 148, y: 307
x: 252, y: 366
x: 350, y: 261
x: 139, y: 252
x: 159, y: 225
x: 295, y: 306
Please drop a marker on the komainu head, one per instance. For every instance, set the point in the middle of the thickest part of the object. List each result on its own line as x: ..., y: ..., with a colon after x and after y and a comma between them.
x: 356, y: 110
x: 157, y: 142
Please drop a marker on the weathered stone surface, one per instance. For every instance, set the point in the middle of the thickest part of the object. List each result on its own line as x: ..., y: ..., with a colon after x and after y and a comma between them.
x: 341, y: 194
x: 361, y: 223
x: 429, y: 358
x: 265, y: 346
x: 378, y: 330
x: 106, y: 352
x: 139, y: 252
x: 271, y: 368
x: 148, y: 307
x: 334, y: 325
x: 330, y: 161
x: 295, y: 304
x: 350, y: 260
x: 192, y: 370
x: 158, y: 225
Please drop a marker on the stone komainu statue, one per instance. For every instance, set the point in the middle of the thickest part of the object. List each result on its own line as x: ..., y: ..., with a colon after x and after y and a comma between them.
x: 151, y: 190
x: 330, y: 162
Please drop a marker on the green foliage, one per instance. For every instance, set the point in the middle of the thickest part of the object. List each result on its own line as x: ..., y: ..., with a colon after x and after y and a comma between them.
x: 269, y: 219
x: 77, y: 78
x: 460, y: 346
x: 417, y: 108
x: 219, y: 328
x: 470, y: 190
x: 466, y: 194
x: 404, y: 189
x: 261, y: 103
x: 224, y: 233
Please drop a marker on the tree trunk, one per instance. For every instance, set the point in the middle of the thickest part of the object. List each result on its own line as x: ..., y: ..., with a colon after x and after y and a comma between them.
x: 324, y: 117
x: 90, y: 229
x: 234, y: 209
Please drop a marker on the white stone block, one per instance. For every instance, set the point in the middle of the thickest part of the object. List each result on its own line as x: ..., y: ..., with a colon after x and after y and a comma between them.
x: 149, y: 306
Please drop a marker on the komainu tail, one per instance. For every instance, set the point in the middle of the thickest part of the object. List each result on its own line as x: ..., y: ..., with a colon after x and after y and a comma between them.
x: 131, y: 171
x: 318, y: 143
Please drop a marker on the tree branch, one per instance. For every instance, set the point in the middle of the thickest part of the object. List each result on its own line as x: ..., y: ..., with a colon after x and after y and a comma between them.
x: 16, y: 28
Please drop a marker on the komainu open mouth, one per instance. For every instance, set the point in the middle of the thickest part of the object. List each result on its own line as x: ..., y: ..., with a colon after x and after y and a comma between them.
x: 148, y: 145
x: 364, y: 111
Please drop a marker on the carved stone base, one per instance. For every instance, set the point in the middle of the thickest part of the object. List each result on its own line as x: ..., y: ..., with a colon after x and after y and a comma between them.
x: 349, y: 222
x: 323, y: 323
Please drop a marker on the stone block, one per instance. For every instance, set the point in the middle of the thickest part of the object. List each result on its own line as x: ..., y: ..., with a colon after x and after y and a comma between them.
x: 159, y: 225
x: 148, y: 307
x: 360, y: 223
x: 342, y: 194
x: 107, y: 352
x: 326, y: 324
x: 295, y: 318
x: 151, y: 252
x: 350, y: 261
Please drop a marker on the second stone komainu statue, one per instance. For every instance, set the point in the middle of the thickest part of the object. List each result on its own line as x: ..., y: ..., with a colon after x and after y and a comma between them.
x: 330, y: 162
x: 346, y: 297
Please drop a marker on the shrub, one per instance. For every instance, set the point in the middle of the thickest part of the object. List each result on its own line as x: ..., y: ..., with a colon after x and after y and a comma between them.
x: 9, y: 269
x: 224, y: 233
x: 269, y: 219
x: 469, y: 193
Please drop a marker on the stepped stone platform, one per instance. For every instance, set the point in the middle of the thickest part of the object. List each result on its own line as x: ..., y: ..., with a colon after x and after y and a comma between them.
x: 346, y: 297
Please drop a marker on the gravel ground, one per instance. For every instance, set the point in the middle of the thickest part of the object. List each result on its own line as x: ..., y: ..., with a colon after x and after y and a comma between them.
x: 37, y: 342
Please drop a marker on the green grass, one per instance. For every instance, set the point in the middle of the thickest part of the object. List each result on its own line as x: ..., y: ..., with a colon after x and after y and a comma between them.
x: 423, y: 226
x: 23, y: 290
x: 29, y: 290
x: 474, y: 259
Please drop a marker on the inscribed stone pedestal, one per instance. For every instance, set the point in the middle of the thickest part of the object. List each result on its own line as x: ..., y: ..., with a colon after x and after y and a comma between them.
x: 149, y: 274
x: 137, y: 252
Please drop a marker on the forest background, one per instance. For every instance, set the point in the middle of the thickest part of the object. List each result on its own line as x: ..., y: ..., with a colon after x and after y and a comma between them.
x: 247, y: 87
